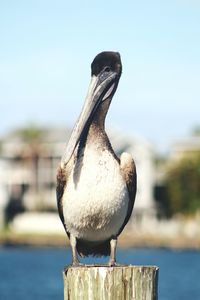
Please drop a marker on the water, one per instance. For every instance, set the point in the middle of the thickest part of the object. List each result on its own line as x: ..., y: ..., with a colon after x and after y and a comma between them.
x: 31, y: 274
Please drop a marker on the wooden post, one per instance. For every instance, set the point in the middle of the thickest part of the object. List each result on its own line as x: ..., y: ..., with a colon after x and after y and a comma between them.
x: 110, y: 283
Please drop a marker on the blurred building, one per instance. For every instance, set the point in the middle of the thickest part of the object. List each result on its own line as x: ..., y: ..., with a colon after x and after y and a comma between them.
x: 185, y: 146
x: 28, y: 171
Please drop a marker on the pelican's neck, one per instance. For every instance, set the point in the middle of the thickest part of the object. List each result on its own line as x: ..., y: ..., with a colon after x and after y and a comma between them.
x: 95, y: 135
x: 99, y: 117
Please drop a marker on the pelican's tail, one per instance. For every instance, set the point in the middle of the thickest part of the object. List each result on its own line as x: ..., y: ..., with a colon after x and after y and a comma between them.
x: 86, y: 248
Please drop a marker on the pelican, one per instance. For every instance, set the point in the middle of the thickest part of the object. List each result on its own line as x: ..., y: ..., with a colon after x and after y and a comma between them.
x: 95, y: 189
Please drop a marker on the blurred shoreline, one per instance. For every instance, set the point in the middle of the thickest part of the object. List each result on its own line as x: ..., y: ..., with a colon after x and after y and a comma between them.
x: 126, y: 240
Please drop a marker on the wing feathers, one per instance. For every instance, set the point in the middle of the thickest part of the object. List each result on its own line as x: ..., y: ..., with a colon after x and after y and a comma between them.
x: 129, y: 174
x: 61, y: 183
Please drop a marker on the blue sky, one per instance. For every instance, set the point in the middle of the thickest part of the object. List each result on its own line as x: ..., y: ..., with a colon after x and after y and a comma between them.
x: 46, y: 48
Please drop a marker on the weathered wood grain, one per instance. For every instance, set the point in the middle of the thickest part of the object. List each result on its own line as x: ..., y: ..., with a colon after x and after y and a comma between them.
x: 111, y: 283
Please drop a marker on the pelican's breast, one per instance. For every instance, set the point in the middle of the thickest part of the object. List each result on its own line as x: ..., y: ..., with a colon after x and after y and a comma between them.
x: 95, y: 200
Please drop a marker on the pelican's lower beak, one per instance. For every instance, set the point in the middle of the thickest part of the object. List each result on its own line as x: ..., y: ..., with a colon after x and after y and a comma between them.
x: 101, y: 88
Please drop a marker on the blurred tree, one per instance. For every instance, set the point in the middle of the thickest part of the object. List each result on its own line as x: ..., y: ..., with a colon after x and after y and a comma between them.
x: 196, y: 131
x: 183, y: 185
x: 32, y: 136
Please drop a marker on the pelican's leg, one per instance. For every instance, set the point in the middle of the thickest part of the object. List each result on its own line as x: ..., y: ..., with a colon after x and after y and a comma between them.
x: 113, y: 247
x: 75, y: 261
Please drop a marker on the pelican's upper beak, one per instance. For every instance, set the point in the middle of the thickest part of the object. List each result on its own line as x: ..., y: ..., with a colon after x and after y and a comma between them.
x: 102, y: 87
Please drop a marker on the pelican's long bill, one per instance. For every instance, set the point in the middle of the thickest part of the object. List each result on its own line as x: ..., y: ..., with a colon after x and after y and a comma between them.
x: 101, y: 88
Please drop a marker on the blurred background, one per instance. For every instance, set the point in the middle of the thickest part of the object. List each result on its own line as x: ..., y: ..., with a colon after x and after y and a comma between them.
x: 45, y: 55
